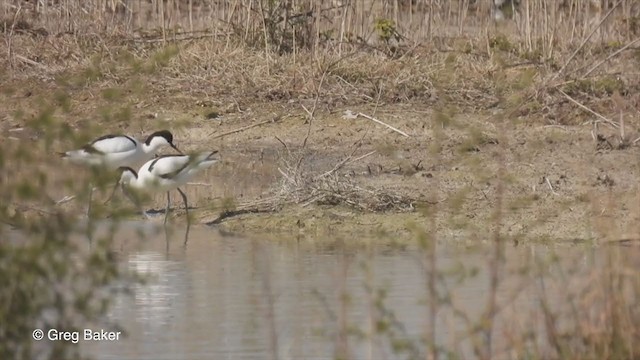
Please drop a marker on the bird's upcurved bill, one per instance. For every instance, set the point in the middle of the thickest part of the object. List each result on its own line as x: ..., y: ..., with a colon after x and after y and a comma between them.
x: 176, y: 149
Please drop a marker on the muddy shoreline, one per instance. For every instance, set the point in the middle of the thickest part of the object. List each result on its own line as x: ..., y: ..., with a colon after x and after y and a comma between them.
x: 305, y: 165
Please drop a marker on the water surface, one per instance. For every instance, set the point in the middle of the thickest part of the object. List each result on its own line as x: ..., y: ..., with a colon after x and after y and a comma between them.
x: 227, y: 297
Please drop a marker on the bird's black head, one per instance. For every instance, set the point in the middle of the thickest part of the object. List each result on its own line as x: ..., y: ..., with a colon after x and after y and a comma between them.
x: 162, y: 133
x: 126, y: 169
x: 166, y: 134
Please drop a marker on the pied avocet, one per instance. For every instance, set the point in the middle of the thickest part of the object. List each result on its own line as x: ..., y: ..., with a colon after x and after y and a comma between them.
x: 114, y: 151
x: 166, y: 173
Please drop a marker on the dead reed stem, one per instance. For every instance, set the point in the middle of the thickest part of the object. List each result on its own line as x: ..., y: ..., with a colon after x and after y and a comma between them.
x: 384, y: 124
x: 600, y: 116
x: 495, y: 263
x: 430, y: 258
x: 244, y: 128
x: 342, y: 335
x: 259, y: 253
x: 611, y: 56
x: 584, y: 42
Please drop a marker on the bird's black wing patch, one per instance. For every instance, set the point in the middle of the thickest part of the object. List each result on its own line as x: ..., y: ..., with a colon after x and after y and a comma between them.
x: 89, y: 147
x: 133, y: 141
x: 155, y: 160
x: 176, y: 172
x: 173, y: 173
x: 110, y: 136
x: 92, y: 150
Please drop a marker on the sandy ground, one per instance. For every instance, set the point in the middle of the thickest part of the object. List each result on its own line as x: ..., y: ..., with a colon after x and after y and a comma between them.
x: 556, y: 184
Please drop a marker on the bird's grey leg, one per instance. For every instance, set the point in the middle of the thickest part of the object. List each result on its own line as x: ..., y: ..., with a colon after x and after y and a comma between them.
x: 166, y: 240
x: 186, y: 205
x: 135, y: 203
x: 166, y: 211
x: 90, y: 197
x: 113, y: 192
x: 186, y: 234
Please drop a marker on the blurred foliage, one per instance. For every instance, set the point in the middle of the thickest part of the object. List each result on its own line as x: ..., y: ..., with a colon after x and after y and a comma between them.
x: 386, y: 30
x: 57, y: 268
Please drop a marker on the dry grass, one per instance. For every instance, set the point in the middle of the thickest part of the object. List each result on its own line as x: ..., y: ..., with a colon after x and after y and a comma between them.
x: 236, y: 76
x: 423, y: 51
x: 305, y: 188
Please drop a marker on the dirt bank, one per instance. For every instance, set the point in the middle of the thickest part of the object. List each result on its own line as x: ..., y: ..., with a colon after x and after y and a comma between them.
x: 301, y: 162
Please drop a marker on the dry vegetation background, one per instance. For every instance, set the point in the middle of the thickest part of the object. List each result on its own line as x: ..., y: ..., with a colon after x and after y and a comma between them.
x: 83, y: 64
x: 96, y: 65
x: 428, y: 51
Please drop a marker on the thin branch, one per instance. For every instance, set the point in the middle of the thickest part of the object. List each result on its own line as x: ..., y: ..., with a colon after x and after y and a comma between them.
x: 68, y: 198
x: 176, y: 39
x: 10, y: 37
x: 199, y: 184
x: 609, y: 57
x: 30, y: 62
x: 65, y: 199
x: 546, y: 179
x: 311, y: 116
x: 346, y: 161
x: 313, y: 109
x: 610, y: 122
x: 274, y: 120
x: 385, y: 124
x: 283, y: 144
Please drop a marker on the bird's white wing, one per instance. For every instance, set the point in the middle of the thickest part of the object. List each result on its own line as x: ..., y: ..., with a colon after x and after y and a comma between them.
x: 168, y: 165
x: 111, y: 144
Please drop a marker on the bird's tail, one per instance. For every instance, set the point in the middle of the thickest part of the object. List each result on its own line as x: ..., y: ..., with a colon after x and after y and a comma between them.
x: 62, y: 154
x: 206, y: 159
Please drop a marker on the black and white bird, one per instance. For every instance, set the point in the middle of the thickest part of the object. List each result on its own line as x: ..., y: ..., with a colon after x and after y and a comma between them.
x: 166, y: 173
x: 113, y: 151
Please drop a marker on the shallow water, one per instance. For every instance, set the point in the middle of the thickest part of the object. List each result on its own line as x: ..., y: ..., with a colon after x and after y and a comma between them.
x: 227, y: 297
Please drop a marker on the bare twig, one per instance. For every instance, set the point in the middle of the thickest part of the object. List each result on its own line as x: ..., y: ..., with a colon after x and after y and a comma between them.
x: 610, y: 122
x: 176, y: 38
x: 349, y: 159
x: 345, y: 161
x: 311, y: 116
x: 623, y: 137
x: 231, y: 213
x: 10, y: 37
x: 30, y: 62
x: 385, y: 124
x: 276, y: 119
x: 286, y: 176
x: 313, y: 109
x: 555, y: 127
x: 283, y: 144
x: 609, y: 57
x: 65, y: 199
x: 270, y: 309
x: 68, y: 198
x: 199, y: 184
x: 546, y: 179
